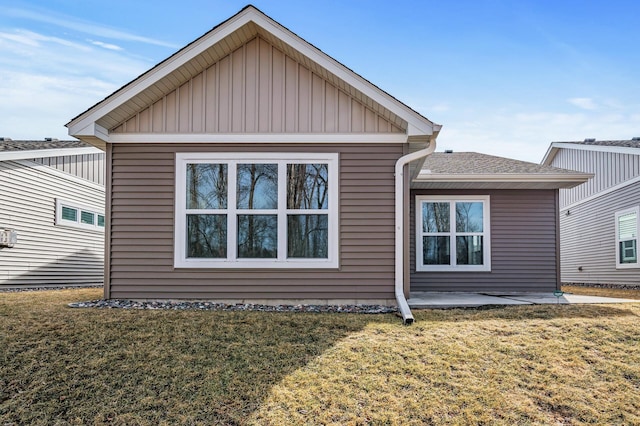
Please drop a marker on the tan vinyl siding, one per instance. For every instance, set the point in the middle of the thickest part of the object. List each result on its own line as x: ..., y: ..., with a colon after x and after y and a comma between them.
x: 523, y: 245
x: 258, y: 88
x: 142, y: 221
x: 86, y: 166
x: 610, y: 169
x: 47, y: 254
x: 588, y: 239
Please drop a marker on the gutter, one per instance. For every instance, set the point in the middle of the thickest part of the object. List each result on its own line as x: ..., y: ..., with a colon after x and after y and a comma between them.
x: 403, y: 306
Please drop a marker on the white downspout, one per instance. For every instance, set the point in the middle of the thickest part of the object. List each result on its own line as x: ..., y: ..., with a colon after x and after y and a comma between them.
x: 403, y: 306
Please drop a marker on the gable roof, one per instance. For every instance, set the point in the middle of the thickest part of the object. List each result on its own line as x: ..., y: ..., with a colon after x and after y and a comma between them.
x: 26, y: 149
x: 94, y: 125
x: 472, y: 170
x: 631, y: 146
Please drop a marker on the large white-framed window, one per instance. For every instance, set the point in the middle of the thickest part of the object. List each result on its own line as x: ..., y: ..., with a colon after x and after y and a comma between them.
x: 76, y: 215
x: 453, y: 233
x: 256, y: 210
x: 627, y: 225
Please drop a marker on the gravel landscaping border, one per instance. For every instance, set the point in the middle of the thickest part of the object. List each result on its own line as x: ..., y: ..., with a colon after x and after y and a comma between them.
x: 213, y: 306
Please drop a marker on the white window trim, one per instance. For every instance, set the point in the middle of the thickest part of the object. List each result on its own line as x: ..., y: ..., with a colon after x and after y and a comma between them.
x: 486, y: 266
x: 619, y: 265
x: 78, y: 222
x: 180, y: 237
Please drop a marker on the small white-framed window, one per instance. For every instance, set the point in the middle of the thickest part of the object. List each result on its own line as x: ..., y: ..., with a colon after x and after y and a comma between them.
x: 453, y: 233
x: 627, y: 225
x: 256, y: 210
x: 76, y: 215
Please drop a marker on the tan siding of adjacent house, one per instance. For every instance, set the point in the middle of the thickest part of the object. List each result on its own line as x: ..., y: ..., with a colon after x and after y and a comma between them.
x: 47, y: 254
x: 142, y: 230
x: 259, y: 89
x: 524, y: 251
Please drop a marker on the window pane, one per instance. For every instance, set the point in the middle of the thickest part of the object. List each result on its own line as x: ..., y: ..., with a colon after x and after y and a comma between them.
x: 469, y: 217
x: 87, y: 217
x: 307, y: 186
x: 627, y: 226
x: 257, y: 186
x: 69, y: 214
x: 308, y: 236
x: 257, y: 236
x: 435, y: 217
x: 469, y: 250
x: 206, y: 186
x: 207, y: 235
x: 100, y: 220
x: 436, y: 251
x: 628, y: 252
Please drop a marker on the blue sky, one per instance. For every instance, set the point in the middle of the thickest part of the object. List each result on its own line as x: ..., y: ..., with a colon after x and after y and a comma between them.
x: 503, y: 77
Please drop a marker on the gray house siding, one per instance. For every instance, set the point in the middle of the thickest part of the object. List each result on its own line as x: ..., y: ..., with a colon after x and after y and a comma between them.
x: 610, y: 169
x: 523, y: 245
x: 86, y: 166
x: 141, y: 227
x: 47, y: 254
x: 588, y: 239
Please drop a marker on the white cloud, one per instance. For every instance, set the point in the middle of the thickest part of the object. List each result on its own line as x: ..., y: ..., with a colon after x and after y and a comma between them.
x: 527, y: 135
x: 84, y: 27
x: 107, y: 46
x: 584, y: 103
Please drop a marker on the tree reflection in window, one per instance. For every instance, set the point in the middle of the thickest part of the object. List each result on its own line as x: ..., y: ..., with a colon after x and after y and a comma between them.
x: 307, y: 190
x: 206, y: 186
x: 207, y: 235
x: 307, y: 186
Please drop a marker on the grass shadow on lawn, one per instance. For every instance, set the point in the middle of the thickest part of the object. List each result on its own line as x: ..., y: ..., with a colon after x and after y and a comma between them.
x: 141, y: 366
x: 519, y: 364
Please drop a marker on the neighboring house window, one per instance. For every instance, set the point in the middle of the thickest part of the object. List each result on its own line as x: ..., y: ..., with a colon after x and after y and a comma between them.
x: 256, y: 210
x: 627, y: 224
x: 78, y: 216
x: 452, y: 233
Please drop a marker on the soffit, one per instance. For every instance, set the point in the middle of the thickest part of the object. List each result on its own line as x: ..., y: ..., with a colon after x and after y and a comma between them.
x: 221, y: 41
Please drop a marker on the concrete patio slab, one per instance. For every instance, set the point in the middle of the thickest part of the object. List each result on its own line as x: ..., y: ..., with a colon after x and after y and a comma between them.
x: 442, y: 300
x: 428, y: 300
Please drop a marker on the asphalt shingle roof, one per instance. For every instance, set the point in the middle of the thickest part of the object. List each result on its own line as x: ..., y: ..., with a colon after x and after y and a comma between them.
x: 7, y: 145
x: 474, y: 163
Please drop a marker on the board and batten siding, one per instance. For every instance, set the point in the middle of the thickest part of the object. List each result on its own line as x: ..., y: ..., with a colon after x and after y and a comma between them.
x: 588, y: 239
x: 86, y: 166
x: 47, y: 254
x: 142, y: 230
x: 259, y: 89
x: 523, y: 245
x: 609, y: 168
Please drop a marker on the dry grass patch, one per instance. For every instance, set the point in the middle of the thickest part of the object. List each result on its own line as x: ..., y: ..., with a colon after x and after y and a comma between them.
x: 554, y: 364
x: 623, y: 293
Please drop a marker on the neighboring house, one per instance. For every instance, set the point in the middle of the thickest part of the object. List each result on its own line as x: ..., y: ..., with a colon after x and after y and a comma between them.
x: 51, y: 213
x: 251, y: 166
x: 600, y: 219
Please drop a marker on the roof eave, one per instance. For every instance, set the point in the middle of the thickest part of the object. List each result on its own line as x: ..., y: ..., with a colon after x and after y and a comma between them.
x: 418, y: 125
x: 556, y: 180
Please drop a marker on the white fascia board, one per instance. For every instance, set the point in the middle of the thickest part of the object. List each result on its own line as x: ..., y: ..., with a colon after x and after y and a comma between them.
x: 599, y: 148
x: 92, y: 130
x: 421, y: 124
x: 303, y: 138
x: 46, y: 153
x: 549, y: 155
x: 568, y: 178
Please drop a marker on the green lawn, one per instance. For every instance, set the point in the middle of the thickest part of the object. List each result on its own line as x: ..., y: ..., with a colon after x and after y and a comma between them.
x: 554, y: 364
